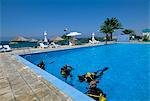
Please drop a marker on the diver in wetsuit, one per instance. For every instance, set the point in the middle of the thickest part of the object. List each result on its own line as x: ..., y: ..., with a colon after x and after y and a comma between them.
x: 90, y: 76
x: 41, y: 65
x: 66, y: 71
x: 95, y: 92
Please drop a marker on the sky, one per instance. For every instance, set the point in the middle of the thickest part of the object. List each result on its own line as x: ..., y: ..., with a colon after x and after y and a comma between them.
x: 30, y: 18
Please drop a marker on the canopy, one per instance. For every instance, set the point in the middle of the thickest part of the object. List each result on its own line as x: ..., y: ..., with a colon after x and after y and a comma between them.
x: 93, y: 35
x: 146, y: 31
x: 33, y: 40
x: 56, y: 39
x: 20, y: 39
x: 73, y: 34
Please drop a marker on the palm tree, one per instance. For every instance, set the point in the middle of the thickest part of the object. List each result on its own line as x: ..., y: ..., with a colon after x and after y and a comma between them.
x: 105, y: 28
x: 128, y: 31
x: 109, y: 26
x: 115, y: 25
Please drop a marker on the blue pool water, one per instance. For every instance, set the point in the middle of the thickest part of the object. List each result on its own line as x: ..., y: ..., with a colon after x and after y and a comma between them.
x: 126, y: 80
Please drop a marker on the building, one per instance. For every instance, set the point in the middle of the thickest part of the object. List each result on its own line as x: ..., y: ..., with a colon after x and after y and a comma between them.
x: 146, y: 32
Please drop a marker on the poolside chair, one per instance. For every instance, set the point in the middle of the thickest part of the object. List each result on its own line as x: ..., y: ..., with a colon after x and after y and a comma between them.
x: 2, y: 48
x: 43, y: 46
x: 94, y: 42
x: 91, y: 42
x: 53, y: 45
x: 7, y: 48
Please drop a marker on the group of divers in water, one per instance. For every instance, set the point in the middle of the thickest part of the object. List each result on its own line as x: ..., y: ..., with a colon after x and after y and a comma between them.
x: 90, y: 77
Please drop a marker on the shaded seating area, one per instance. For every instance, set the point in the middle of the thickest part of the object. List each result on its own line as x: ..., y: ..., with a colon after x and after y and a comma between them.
x: 54, y: 41
x: 72, y: 39
x: 53, y: 45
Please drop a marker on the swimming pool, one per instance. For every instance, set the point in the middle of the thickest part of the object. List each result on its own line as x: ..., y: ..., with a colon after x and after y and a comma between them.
x: 126, y: 80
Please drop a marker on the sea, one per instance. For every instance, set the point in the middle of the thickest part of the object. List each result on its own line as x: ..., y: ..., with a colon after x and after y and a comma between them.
x: 36, y: 44
x: 19, y: 44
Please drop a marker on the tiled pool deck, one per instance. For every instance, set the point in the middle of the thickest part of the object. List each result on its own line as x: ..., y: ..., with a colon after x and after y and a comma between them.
x: 17, y: 83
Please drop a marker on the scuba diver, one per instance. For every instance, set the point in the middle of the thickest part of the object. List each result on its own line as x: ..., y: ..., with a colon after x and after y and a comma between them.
x: 88, y: 77
x: 65, y: 71
x: 41, y: 65
x: 93, y: 84
x: 95, y: 92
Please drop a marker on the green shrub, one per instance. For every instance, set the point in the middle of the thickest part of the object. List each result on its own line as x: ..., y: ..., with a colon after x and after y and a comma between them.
x: 145, y: 38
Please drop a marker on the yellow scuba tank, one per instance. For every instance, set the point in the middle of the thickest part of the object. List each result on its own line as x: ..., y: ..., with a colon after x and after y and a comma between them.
x: 63, y: 73
x: 89, y: 75
x: 103, y: 98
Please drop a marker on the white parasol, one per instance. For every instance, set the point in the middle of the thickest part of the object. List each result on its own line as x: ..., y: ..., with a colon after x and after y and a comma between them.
x: 93, y: 36
x: 73, y: 34
x: 45, y: 37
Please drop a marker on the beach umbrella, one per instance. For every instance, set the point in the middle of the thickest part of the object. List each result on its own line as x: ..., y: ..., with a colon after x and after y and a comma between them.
x: 40, y: 41
x: 93, y: 36
x: 73, y: 34
x: 45, y: 37
x: 20, y: 39
x: 33, y: 40
x: 56, y: 39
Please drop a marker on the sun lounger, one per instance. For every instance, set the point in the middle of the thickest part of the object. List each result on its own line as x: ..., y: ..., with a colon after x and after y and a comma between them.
x: 53, y: 45
x: 5, y: 48
x: 1, y: 48
x: 43, y: 46
x: 94, y: 42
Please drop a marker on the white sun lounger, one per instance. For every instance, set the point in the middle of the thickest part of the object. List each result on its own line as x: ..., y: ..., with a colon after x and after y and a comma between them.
x: 5, y: 48
x: 94, y: 42
x: 43, y: 46
x: 1, y: 48
x: 53, y: 45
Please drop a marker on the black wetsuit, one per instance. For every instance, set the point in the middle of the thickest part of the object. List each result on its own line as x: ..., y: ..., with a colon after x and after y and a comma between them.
x: 95, y: 91
x: 66, y: 73
x: 81, y: 78
x: 41, y: 65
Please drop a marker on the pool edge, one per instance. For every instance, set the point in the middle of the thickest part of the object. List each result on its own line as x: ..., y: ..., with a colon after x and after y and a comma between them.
x: 59, y: 84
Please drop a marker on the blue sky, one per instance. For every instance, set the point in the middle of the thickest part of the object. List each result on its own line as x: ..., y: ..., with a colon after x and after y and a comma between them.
x: 30, y: 18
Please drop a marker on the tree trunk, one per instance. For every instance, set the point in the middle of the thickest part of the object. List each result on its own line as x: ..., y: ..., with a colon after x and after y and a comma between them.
x: 110, y: 36
x: 106, y: 39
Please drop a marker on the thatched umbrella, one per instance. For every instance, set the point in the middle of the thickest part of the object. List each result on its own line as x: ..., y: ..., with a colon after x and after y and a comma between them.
x: 57, y: 39
x: 33, y: 40
x: 20, y: 39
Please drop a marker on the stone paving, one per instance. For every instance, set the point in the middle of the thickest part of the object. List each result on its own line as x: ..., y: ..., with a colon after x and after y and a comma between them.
x: 18, y: 83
